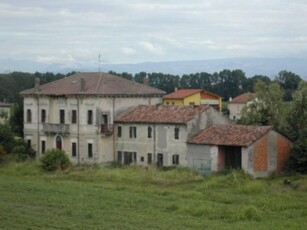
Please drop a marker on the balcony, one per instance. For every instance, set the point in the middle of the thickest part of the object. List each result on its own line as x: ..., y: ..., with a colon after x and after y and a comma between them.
x: 56, y: 128
x: 106, y: 129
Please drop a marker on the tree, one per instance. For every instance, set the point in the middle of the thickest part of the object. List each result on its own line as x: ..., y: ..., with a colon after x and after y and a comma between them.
x: 296, y: 118
x: 297, y: 161
x: 289, y: 82
x: 266, y: 108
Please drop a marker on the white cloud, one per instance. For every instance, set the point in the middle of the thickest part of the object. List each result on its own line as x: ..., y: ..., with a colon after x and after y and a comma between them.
x: 128, y: 51
x: 152, y: 48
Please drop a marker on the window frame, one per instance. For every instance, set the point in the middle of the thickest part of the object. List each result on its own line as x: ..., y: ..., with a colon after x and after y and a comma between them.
x: 176, y: 133
x: 74, y: 149
x: 133, y: 132
x: 43, y: 116
x: 175, y: 159
x: 90, y: 117
x: 62, y: 116
x: 74, y: 116
x: 90, y: 150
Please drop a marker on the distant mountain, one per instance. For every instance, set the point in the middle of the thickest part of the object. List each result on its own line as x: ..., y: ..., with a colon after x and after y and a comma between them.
x: 251, y: 66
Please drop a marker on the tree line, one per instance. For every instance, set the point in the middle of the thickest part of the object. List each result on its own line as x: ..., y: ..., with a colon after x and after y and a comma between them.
x: 226, y: 83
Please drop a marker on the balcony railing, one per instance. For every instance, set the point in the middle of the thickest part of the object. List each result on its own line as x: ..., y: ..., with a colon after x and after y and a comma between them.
x: 106, y: 129
x: 56, y: 128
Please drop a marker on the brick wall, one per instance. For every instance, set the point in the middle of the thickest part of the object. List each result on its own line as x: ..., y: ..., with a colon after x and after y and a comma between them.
x: 283, y: 149
x: 261, y: 155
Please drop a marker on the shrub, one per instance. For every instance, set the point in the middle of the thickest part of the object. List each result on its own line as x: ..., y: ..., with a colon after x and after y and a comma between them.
x: 54, y: 159
x: 2, y: 153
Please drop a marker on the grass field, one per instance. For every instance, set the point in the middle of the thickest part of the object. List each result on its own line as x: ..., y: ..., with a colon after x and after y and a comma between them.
x: 137, y: 198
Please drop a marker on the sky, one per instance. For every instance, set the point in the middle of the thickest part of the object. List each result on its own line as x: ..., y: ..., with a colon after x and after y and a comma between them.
x: 75, y: 32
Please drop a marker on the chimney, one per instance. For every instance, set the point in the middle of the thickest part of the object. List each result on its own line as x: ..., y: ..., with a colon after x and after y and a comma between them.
x: 146, y: 81
x: 176, y: 89
x: 37, y: 82
x: 82, y: 85
x: 230, y: 99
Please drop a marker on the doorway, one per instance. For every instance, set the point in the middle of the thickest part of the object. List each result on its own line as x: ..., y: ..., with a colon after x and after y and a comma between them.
x: 233, y: 157
x: 160, y: 160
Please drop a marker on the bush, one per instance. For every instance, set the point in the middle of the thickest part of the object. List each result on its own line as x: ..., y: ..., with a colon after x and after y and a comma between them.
x: 54, y: 159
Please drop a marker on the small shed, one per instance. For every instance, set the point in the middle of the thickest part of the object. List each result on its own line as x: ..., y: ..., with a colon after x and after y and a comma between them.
x: 258, y: 150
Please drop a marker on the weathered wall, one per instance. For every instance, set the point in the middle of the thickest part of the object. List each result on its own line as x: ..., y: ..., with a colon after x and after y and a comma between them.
x: 162, y: 141
x: 283, y: 150
x: 88, y: 133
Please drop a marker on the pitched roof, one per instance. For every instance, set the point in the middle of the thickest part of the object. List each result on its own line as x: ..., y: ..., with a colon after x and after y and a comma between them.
x: 95, y: 84
x: 161, y: 114
x: 2, y: 104
x: 230, y: 134
x: 243, y: 98
x: 182, y: 93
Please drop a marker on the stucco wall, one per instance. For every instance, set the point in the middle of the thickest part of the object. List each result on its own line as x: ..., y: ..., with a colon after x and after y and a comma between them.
x: 162, y: 141
x: 235, y: 110
x: 103, y: 147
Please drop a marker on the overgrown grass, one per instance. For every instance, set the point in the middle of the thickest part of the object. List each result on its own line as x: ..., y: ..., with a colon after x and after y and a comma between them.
x: 138, y: 198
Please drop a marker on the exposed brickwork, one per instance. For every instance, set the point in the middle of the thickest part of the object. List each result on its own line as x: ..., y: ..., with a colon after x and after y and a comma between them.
x: 283, y: 149
x: 261, y: 155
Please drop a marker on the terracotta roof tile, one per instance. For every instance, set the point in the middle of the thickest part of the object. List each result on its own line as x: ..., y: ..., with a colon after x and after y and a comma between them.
x: 95, y: 83
x: 2, y: 104
x: 182, y: 93
x: 230, y: 134
x: 243, y: 98
x: 156, y: 114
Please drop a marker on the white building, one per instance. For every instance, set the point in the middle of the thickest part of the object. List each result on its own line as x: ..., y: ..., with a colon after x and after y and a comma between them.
x: 237, y: 104
x: 76, y: 114
x: 158, y: 134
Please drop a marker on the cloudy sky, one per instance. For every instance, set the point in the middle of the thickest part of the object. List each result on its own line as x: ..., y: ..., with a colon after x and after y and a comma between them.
x: 132, y: 31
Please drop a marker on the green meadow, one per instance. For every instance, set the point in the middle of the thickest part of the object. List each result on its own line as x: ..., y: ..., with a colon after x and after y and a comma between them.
x: 139, y: 198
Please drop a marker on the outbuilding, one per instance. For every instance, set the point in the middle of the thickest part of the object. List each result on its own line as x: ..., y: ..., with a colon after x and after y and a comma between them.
x: 258, y: 150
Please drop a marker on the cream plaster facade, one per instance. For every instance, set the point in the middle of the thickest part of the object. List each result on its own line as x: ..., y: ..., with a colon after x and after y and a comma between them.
x: 162, y: 143
x: 86, y: 137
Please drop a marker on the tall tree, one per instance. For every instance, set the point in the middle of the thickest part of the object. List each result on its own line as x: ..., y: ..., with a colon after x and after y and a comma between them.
x: 266, y: 109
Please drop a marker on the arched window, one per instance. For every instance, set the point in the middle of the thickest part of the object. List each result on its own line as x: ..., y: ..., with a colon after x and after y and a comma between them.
x: 58, y: 142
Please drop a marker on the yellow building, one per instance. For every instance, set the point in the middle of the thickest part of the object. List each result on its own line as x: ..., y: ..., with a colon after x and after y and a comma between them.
x: 193, y: 97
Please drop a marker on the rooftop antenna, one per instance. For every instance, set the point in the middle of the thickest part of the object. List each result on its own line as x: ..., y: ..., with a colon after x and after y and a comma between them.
x: 99, y: 56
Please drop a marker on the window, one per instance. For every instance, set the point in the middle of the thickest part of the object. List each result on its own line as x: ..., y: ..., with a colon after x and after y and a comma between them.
x: 129, y: 157
x: 119, y: 131
x: 132, y: 133
x: 119, y: 157
x: 62, y: 116
x: 149, y: 158
x: 90, y: 117
x: 43, y: 146
x: 149, y: 132
x: 90, y: 150
x: 167, y: 103
x: 74, y: 117
x: 192, y: 103
x: 29, y: 143
x: 176, y: 133
x: 43, y: 116
x: 173, y: 103
x: 29, y: 115
x: 58, y: 141
x: 142, y: 159
x: 74, y: 149
x: 175, y: 159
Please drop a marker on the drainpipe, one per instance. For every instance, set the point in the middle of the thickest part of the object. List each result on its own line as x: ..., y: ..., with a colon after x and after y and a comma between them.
x: 37, y: 95
x: 78, y: 128
x: 113, y: 115
x: 154, y: 144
